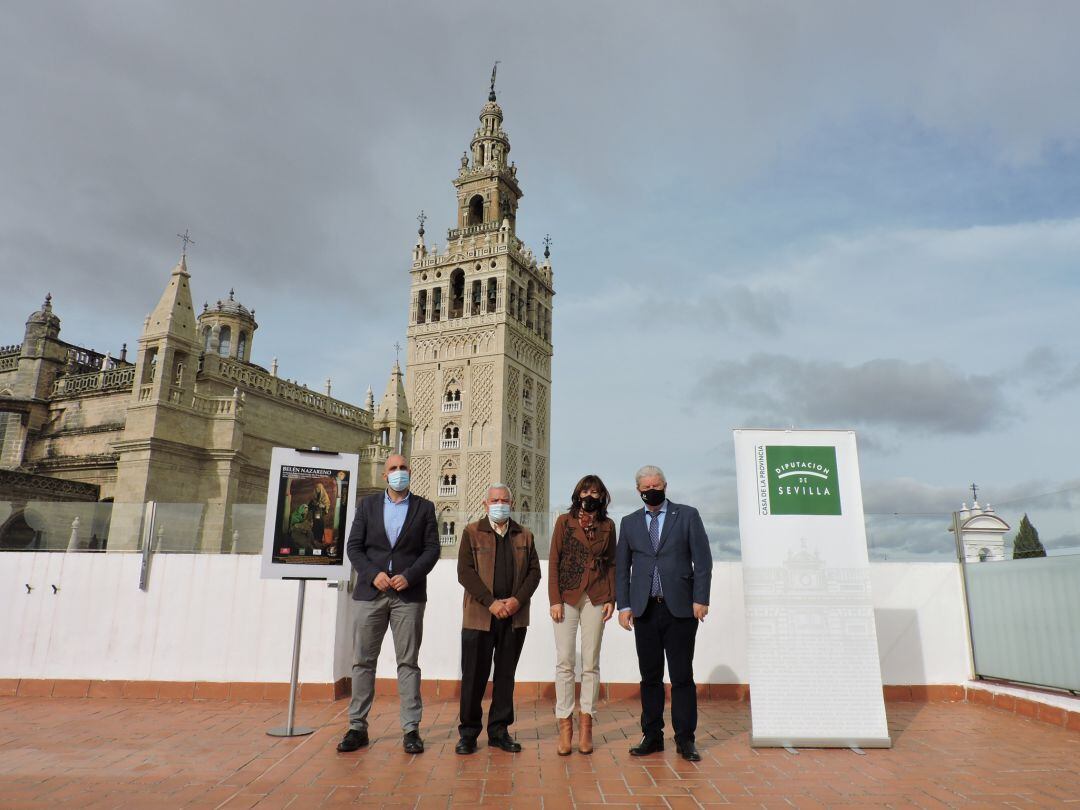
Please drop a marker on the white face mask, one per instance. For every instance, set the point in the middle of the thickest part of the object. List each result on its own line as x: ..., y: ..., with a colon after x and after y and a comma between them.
x: 498, y: 512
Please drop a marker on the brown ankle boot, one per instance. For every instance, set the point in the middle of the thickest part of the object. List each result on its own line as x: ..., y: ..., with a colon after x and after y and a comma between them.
x: 566, y: 735
x: 585, y: 729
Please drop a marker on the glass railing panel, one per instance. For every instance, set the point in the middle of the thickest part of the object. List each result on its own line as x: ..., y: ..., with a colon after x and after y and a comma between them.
x: 55, y: 526
x: 1024, y: 619
x: 246, y: 524
x: 188, y: 528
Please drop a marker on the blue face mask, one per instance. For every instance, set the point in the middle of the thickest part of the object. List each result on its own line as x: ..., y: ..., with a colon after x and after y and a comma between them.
x: 398, y: 480
x: 498, y: 512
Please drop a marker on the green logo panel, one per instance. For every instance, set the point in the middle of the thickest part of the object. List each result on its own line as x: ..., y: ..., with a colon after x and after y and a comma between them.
x: 803, y: 480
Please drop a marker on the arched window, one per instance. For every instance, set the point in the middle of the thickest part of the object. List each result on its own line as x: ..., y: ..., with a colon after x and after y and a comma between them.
x: 224, y: 341
x: 476, y: 211
x: 457, y: 293
x: 421, y: 306
x: 241, y: 346
x: 526, y: 431
x: 529, y: 304
x: 452, y: 398
x: 477, y: 298
x: 436, y: 305
x: 150, y: 365
x: 492, y: 293
x: 206, y: 339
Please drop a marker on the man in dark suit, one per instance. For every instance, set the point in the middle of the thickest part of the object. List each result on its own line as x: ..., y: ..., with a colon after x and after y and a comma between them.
x: 393, y: 546
x: 663, y: 569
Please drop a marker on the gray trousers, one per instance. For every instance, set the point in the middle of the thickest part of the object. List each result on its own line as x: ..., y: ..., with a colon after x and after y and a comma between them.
x: 406, y: 622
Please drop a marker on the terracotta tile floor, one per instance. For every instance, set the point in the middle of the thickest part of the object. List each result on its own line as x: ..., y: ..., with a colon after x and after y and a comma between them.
x: 62, y: 752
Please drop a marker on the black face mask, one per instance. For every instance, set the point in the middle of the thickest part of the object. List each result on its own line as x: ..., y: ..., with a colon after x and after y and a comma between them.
x: 653, y: 497
x: 590, y: 504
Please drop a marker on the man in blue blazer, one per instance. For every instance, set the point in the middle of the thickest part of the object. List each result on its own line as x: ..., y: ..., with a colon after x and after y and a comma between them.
x: 393, y: 545
x: 663, y: 569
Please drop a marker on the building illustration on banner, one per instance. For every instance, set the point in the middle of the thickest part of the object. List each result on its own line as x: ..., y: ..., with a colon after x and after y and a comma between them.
x: 190, y: 415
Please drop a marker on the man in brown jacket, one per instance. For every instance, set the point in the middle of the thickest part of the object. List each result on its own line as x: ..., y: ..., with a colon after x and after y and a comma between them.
x: 499, y: 569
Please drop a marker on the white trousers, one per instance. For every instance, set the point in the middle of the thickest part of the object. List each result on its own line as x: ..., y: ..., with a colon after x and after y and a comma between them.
x: 589, y: 618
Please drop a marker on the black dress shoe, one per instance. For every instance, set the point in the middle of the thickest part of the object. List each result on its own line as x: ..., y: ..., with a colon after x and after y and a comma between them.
x: 466, y: 745
x: 412, y: 743
x: 504, y: 742
x: 648, y: 745
x: 688, y: 751
x: 352, y: 740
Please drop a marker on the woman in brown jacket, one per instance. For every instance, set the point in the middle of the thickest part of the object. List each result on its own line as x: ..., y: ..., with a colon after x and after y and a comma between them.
x: 581, y: 588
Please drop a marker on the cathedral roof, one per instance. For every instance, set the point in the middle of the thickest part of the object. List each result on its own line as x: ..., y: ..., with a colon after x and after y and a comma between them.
x: 394, y: 406
x: 173, y: 314
x: 231, y: 307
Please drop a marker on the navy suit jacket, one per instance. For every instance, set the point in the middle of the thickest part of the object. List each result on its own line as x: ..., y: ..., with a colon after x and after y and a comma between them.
x: 413, y: 555
x: 684, y: 560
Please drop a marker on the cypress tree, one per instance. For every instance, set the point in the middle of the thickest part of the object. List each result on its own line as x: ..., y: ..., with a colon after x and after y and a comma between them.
x: 1026, y: 543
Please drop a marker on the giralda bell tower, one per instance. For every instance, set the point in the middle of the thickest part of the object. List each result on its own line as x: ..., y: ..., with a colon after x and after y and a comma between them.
x: 479, y: 345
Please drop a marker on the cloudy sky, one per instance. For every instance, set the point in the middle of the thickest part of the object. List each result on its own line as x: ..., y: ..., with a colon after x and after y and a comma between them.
x: 849, y: 215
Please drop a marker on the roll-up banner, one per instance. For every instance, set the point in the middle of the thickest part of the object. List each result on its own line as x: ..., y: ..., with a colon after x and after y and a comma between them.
x: 815, y: 676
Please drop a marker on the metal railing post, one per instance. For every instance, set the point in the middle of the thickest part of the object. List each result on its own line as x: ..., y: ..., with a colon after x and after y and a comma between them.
x: 962, y: 562
x: 149, y: 514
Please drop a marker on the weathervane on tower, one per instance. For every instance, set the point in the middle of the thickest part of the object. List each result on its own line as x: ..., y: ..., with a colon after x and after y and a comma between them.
x: 491, y: 95
x: 421, y: 218
x: 187, y: 240
x: 547, y: 246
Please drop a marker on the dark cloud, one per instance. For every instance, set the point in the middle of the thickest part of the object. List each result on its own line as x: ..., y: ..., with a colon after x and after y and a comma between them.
x: 927, y: 397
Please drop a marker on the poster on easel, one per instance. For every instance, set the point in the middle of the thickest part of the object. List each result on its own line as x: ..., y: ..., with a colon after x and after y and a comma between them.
x: 815, y: 674
x: 310, y: 504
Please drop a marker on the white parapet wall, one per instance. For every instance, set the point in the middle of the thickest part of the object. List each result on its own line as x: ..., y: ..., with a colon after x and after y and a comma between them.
x: 208, y: 617
x: 204, y: 617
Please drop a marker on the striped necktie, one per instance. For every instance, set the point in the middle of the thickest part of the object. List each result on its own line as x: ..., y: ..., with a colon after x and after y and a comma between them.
x: 654, y: 538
